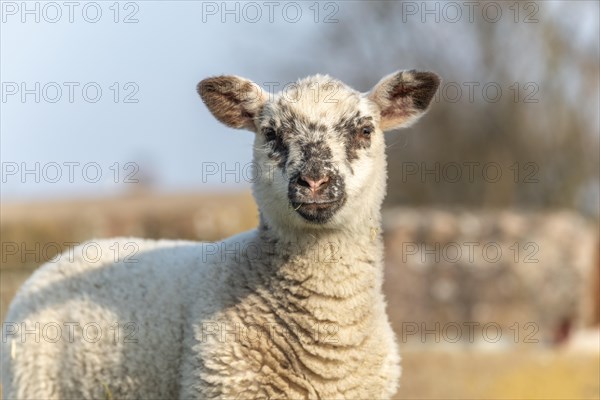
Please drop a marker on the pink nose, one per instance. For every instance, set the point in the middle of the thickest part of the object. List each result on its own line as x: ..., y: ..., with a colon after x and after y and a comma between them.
x: 313, y: 184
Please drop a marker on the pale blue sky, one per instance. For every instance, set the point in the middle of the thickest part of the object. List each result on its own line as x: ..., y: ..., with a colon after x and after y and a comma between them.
x: 169, y: 133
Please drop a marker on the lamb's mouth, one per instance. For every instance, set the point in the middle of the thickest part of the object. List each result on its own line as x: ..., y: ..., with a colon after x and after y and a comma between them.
x: 315, y: 211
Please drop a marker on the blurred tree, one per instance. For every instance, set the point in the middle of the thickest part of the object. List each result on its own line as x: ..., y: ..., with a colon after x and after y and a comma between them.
x: 519, y: 98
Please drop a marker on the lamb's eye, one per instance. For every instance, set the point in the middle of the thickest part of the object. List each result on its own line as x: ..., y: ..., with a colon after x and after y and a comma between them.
x: 270, y: 134
x: 366, y: 131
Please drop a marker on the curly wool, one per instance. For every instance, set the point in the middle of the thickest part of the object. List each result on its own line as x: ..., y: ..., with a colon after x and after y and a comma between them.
x: 243, y: 324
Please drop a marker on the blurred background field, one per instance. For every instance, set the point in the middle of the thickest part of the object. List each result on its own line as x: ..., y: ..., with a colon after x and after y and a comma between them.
x: 507, y: 158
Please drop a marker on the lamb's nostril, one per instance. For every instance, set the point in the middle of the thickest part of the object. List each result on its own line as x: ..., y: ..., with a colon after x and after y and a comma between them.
x: 303, y: 182
x: 313, y: 184
x: 321, y: 183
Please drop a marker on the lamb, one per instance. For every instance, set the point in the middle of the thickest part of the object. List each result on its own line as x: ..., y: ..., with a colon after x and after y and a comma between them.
x: 291, y: 310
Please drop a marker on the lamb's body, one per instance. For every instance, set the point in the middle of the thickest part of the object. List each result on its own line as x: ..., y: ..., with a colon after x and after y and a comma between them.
x: 265, y: 328
x: 111, y: 295
x: 291, y: 310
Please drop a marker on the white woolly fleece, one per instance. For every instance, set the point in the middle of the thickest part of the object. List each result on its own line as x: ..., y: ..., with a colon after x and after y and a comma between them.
x: 166, y: 324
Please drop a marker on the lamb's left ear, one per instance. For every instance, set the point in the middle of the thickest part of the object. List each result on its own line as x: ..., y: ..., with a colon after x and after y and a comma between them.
x: 234, y: 101
x: 403, y: 97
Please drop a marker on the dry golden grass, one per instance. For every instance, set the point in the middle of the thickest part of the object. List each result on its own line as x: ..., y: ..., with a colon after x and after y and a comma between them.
x: 510, y: 374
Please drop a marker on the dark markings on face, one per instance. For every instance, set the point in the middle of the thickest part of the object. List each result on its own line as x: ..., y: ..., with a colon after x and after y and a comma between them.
x: 287, y: 126
x: 316, y: 163
x: 356, y: 131
x: 316, y: 159
x: 279, y: 150
x: 284, y: 129
x: 331, y: 198
x: 316, y: 127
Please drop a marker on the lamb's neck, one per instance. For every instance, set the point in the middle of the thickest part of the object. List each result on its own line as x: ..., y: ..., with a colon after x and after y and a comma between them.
x: 328, y: 277
x: 327, y: 254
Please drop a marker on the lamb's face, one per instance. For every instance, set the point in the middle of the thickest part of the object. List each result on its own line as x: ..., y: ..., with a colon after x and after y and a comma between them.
x: 320, y: 147
x: 319, y: 150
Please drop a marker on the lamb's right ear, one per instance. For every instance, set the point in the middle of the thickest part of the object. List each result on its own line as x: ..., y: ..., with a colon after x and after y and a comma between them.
x: 234, y: 101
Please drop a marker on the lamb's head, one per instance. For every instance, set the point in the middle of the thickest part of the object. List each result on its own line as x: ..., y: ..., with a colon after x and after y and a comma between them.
x: 319, y: 152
